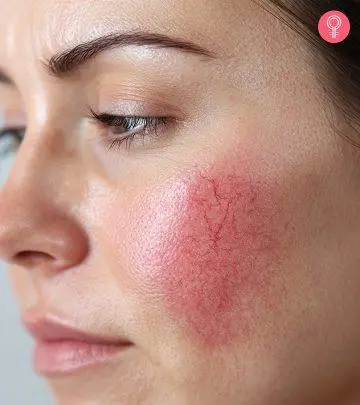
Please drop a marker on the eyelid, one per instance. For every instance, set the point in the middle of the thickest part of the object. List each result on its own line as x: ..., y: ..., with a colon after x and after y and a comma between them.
x: 140, y: 108
x: 106, y: 120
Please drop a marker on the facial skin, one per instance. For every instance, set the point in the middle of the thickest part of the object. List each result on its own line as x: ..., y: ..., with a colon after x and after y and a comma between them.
x: 225, y: 247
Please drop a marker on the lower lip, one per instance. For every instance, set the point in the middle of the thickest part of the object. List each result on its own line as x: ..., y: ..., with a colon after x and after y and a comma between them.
x: 60, y: 358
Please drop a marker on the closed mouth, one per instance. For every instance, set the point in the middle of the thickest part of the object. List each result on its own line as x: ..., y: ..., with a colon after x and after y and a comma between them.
x: 61, y: 349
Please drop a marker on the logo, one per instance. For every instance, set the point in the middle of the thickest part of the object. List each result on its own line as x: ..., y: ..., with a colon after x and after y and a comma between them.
x: 334, y: 26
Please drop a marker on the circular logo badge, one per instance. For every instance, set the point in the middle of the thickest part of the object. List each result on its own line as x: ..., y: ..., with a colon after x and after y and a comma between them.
x: 334, y: 26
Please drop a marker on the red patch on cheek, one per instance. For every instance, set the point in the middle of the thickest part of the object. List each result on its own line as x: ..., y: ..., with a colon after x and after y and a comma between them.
x: 208, y: 246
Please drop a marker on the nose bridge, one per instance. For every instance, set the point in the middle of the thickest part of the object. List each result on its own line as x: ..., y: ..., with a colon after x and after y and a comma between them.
x: 40, y: 167
x: 36, y: 202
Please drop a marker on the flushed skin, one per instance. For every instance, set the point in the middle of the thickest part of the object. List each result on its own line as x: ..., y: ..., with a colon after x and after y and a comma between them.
x: 226, y: 249
x: 210, y: 243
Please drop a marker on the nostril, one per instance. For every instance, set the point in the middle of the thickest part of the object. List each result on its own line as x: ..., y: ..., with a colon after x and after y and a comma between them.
x: 31, y: 259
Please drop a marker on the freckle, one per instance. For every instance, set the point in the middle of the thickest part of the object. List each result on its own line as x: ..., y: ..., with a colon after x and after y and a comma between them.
x: 211, y: 247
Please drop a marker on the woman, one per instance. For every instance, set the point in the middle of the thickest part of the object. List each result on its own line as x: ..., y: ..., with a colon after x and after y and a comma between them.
x: 182, y: 218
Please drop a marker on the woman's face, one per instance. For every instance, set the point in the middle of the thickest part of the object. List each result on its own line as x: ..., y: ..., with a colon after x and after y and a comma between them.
x: 219, y: 236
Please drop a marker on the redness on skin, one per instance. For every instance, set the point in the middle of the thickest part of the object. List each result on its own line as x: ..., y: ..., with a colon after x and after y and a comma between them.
x: 209, y: 247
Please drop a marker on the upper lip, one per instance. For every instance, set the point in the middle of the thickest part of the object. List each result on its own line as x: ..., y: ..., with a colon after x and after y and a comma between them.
x: 47, y: 329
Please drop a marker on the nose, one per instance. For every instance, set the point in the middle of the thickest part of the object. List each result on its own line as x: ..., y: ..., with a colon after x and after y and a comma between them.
x: 37, y: 227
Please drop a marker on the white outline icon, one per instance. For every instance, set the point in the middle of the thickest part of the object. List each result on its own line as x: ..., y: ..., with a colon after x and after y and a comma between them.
x: 334, y: 28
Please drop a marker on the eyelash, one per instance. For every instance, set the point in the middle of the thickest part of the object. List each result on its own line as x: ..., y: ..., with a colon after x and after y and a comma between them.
x: 149, y: 126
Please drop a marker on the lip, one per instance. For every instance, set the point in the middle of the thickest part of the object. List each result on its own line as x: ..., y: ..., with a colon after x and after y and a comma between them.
x: 61, y: 349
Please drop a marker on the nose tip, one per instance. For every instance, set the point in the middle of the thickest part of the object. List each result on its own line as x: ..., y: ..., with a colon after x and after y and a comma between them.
x: 51, y: 244
x: 34, y: 232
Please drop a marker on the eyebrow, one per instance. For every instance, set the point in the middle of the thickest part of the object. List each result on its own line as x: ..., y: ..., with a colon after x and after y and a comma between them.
x: 67, y: 62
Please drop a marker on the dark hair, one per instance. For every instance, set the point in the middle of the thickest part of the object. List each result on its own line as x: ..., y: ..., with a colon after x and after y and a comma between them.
x: 339, y: 64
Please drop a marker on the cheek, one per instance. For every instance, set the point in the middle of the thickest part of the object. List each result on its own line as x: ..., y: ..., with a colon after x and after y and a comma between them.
x: 208, y: 246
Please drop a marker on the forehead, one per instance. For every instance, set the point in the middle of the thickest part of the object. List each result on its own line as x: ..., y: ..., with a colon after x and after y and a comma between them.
x: 43, y: 27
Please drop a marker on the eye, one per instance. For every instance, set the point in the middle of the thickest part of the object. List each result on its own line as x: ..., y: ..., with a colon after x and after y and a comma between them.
x: 10, y: 139
x: 124, y: 130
